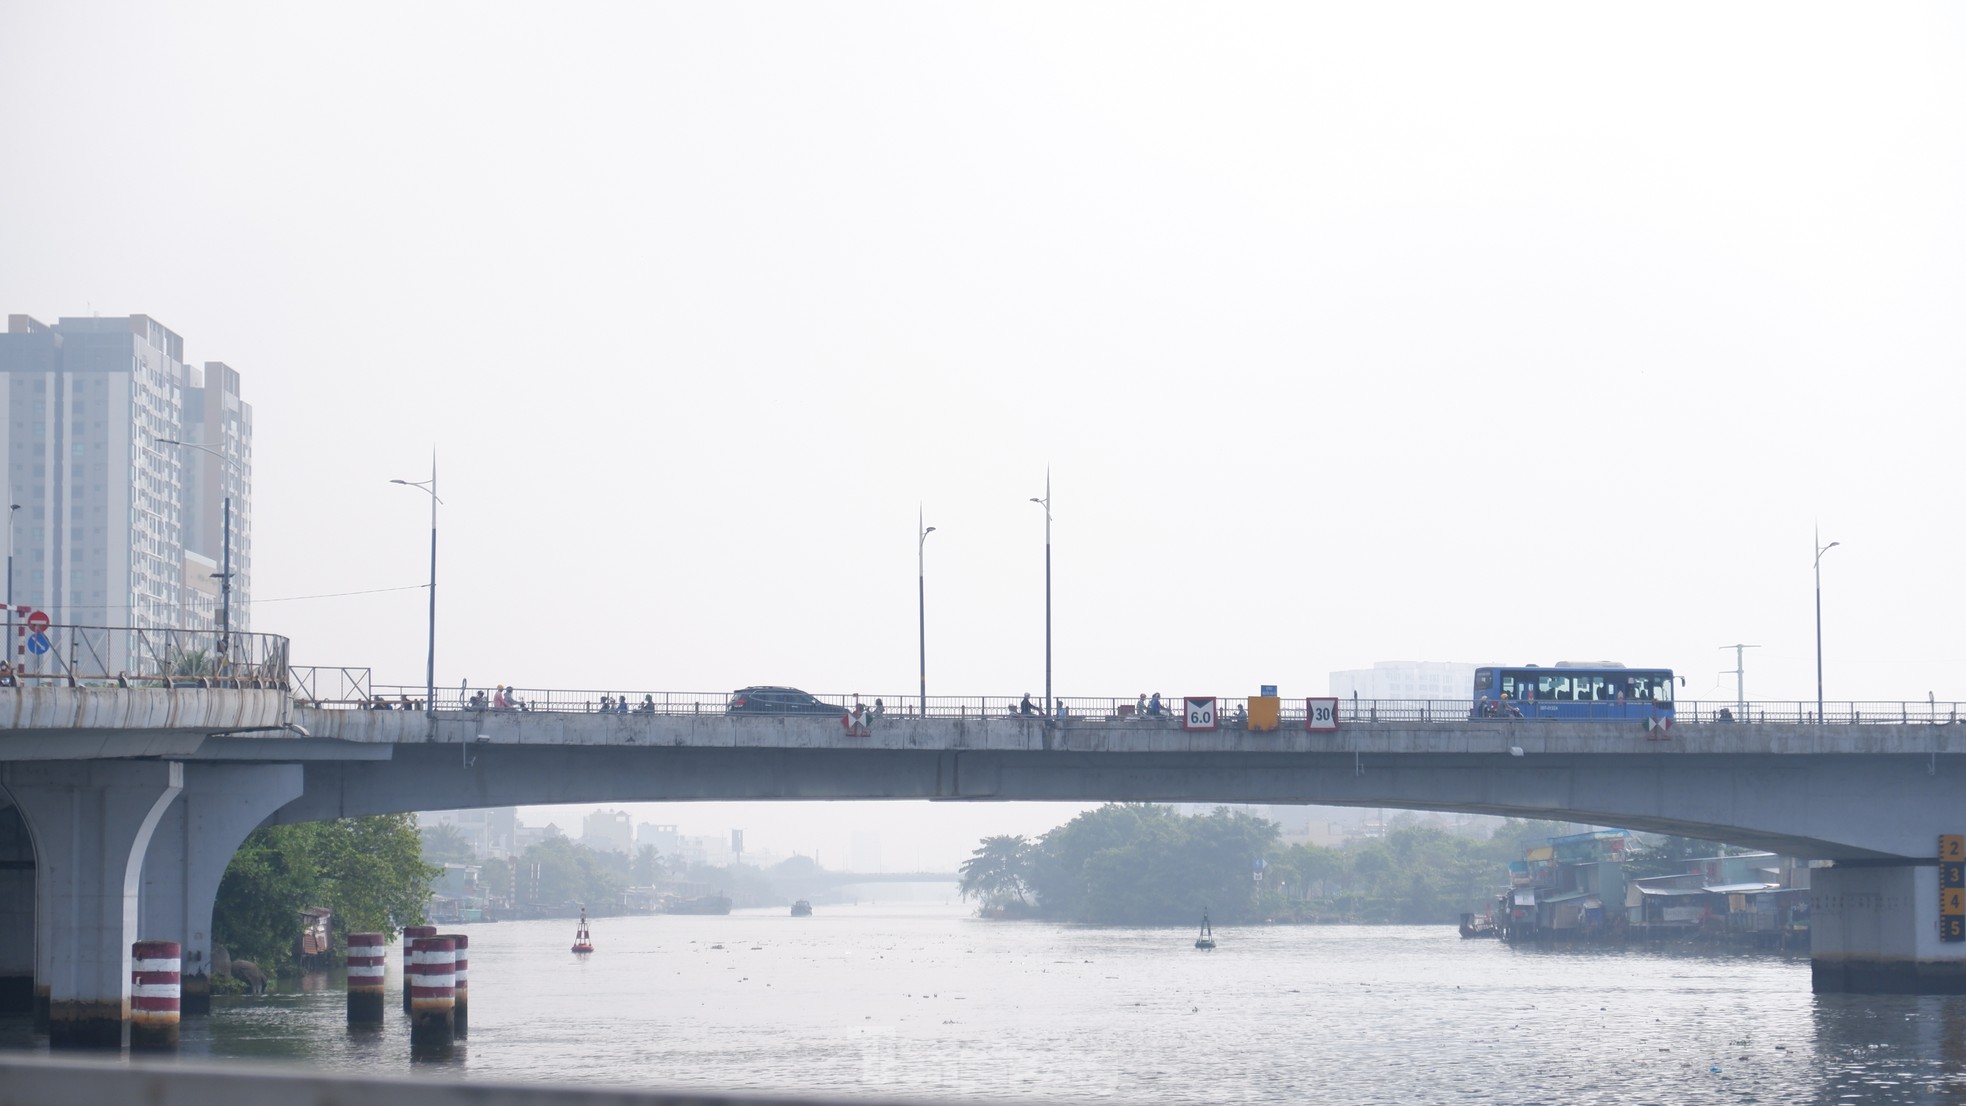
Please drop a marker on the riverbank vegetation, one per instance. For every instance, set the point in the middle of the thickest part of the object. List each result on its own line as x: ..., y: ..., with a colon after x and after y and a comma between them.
x: 1141, y: 864
x: 368, y: 871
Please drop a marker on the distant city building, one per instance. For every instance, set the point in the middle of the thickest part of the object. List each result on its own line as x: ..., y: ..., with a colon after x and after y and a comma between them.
x: 1406, y: 680
x: 608, y: 831
x: 492, y: 832
x: 113, y: 528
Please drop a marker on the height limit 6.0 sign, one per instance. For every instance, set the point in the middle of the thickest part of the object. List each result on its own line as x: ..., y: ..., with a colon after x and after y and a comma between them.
x: 1200, y: 713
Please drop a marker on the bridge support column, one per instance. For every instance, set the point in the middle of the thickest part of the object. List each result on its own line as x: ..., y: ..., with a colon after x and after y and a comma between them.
x: 1875, y: 930
x: 91, y: 822
x: 16, y: 911
x: 195, y: 840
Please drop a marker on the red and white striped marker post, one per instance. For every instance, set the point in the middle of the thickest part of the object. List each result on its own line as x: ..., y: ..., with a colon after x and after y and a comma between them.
x: 432, y: 996
x: 155, y: 985
x: 461, y: 985
x: 410, y: 934
x: 366, y: 968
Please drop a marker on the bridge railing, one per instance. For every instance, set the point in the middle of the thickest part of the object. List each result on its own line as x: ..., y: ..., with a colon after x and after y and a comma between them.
x: 136, y: 656
x: 1081, y: 710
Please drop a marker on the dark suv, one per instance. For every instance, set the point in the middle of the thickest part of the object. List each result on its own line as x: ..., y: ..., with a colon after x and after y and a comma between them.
x: 777, y: 700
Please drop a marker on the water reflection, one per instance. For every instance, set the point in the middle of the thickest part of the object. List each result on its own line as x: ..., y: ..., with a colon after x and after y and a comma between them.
x: 926, y: 1002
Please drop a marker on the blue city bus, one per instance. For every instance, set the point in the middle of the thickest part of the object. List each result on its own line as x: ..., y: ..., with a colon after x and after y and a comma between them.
x: 1596, y: 691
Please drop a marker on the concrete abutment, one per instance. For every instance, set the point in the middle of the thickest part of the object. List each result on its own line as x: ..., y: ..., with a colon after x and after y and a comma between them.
x: 1874, y: 929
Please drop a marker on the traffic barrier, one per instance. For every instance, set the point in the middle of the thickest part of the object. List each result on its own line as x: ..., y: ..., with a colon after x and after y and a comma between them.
x: 154, y: 994
x: 366, y: 971
x: 433, y: 996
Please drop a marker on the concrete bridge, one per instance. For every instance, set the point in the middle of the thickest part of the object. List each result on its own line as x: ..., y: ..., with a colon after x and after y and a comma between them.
x: 122, y: 806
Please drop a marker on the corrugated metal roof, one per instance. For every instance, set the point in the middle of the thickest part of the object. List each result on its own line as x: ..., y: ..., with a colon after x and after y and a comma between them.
x: 1742, y: 888
x: 1673, y: 892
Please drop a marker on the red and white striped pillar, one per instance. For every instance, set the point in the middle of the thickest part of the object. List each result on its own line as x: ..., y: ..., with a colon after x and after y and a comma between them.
x: 410, y: 934
x: 460, y: 984
x: 366, y: 968
x: 155, y: 985
x: 433, y: 995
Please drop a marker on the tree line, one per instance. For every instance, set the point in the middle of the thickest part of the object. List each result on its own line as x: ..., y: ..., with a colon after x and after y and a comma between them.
x: 1142, y: 864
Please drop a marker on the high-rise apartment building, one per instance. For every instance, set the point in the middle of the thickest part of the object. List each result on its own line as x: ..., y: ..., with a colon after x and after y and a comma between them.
x: 1406, y: 680
x: 109, y: 526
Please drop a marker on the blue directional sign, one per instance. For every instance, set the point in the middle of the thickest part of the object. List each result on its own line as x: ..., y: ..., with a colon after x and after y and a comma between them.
x: 37, y: 643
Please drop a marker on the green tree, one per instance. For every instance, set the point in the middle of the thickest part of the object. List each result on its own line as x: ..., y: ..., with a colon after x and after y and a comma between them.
x: 368, y: 871
x: 446, y: 844
x: 649, y: 867
x: 995, y: 872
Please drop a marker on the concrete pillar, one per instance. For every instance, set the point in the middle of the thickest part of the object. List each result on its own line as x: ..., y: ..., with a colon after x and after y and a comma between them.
x: 433, y: 1029
x: 460, y: 983
x: 365, y: 974
x: 221, y: 803
x: 154, y: 994
x: 1875, y: 930
x: 410, y: 934
x: 16, y: 911
x: 91, y: 822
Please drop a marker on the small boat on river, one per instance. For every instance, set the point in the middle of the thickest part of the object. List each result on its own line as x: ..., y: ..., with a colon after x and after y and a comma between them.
x: 582, y: 943
x: 708, y: 904
x: 1205, y: 942
x: 802, y: 909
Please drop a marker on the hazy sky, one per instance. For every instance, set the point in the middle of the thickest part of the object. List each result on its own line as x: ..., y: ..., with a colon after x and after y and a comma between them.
x: 1348, y: 332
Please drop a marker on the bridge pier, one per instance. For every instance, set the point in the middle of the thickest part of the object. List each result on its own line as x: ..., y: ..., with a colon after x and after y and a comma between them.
x: 16, y: 911
x: 1874, y: 929
x: 90, y: 822
x: 221, y: 803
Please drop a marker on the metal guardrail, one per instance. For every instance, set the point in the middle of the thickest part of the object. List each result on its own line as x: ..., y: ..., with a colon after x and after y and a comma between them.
x: 314, y: 684
x: 1083, y: 709
x: 135, y: 656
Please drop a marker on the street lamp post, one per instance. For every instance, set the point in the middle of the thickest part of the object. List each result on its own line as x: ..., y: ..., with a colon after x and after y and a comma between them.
x: 225, y: 567
x: 430, y: 663
x: 1050, y: 708
x: 1820, y: 550
x: 11, y: 508
x: 921, y: 600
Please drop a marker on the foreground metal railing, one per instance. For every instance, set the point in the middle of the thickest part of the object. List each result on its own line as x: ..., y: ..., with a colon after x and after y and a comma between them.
x: 134, y: 656
x: 1086, y: 710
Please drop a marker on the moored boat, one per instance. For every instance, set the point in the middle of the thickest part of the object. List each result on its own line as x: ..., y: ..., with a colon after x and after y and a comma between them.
x: 708, y: 904
x: 802, y: 909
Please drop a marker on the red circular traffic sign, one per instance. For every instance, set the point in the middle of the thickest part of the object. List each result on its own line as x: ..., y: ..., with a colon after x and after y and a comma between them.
x: 37, y: 622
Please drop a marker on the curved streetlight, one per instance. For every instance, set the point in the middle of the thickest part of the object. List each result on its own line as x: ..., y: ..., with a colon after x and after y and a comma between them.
x: 1046, y: 504
x: 430, y: 666
x: 921, y: 600
x: 225, y: 569
x: 1820, y: 550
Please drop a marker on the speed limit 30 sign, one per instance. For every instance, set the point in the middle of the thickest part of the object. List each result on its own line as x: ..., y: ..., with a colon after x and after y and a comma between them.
x: 1321, y: 715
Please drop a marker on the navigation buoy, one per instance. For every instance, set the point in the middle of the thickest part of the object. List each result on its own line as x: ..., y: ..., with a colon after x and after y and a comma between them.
x: 581, y: 942
x: 1205, y: 942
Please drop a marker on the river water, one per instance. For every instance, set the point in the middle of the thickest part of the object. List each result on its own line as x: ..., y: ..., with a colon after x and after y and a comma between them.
x: 925, y: 1001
